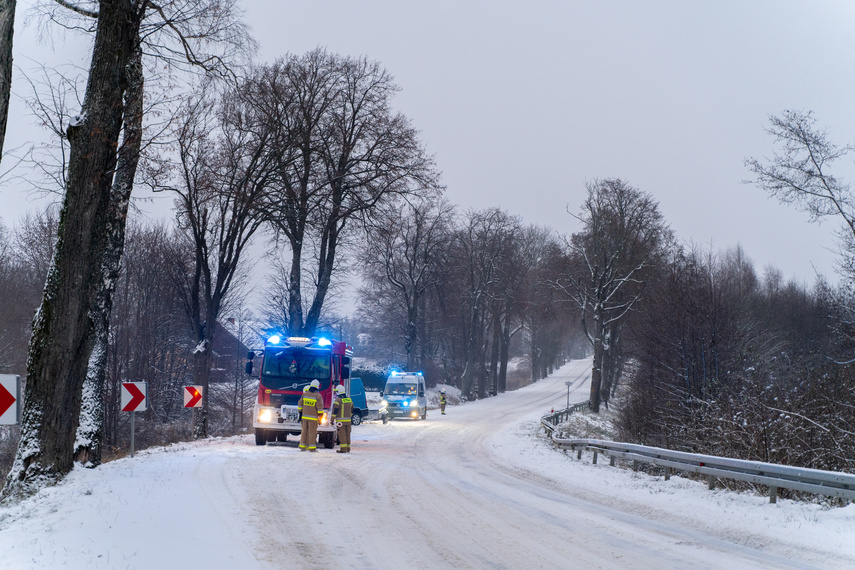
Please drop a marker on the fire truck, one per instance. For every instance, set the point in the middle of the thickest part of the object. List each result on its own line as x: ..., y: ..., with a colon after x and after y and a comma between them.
x: 288, y: 365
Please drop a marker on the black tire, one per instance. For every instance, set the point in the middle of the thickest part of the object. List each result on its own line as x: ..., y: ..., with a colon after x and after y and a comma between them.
x: 282, y: 436
x: 260, y: 436
x: 385, y: 418
x: 355, y: 419
x: 424, y: 415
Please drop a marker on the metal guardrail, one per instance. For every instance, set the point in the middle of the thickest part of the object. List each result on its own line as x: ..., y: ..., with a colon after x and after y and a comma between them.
x: 816, y: 481
x: 556, y: 418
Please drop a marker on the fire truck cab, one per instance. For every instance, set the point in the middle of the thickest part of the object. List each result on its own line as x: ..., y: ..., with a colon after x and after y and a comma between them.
x: 288, y: 365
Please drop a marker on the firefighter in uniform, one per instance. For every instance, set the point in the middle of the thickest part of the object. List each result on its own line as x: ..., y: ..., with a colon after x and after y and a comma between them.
x: 442, y: 401
x: 342, y: 411
x: 311, y: 405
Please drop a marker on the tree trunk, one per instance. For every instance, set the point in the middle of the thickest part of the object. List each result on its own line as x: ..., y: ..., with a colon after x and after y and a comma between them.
x: 295, y: 299
x: 63, y: 329
x: 235, y: 399
x: 482, y: 359
x: 90, y: 431
x: 326, y: 264
x: 7, y: 29
x: 597, y: 368
x: 202, y: 365
x: 494, y: 356
x: 202, y: 377
x: 535, y: 356
x: 411, y: 336
x: 471, y: 351
x: 503, y: 354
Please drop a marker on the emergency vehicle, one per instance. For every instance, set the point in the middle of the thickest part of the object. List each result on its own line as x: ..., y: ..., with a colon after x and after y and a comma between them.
x: 287, y: 367
x: 403, y: 396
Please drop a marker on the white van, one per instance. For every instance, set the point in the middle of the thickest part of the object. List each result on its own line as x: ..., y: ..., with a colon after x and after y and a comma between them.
x: 403, y: 397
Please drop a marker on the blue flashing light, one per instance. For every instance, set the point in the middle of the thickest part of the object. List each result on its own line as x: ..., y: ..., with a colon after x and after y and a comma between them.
x: 324, y: 342
x: 274, y: 339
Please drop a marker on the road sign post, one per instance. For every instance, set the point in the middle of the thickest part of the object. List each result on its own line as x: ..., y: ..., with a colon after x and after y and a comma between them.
x: 193, y: 399
x: 10, y: 399
x: 134, y: 399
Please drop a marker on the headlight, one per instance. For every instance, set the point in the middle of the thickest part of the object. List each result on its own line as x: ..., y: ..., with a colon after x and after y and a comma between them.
x: 414, y: 414
x: 383, y: 403
x: 265, y: 415
x: 414, y: 403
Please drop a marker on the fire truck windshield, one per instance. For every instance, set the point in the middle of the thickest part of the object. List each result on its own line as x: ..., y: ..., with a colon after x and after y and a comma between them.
x: 293, y: 368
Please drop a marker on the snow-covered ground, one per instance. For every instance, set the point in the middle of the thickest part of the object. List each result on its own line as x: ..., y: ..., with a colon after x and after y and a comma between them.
x: 479, y: 487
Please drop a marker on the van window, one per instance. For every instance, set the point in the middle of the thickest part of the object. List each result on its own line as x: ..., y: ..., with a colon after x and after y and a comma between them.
x: 401, y: 389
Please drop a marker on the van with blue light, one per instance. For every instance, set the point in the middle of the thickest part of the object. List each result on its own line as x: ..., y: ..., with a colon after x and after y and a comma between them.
x: 403, y: 397
x: 288, y: 365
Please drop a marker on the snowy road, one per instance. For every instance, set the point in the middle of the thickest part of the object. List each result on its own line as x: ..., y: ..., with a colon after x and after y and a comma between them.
x: 473, y: 489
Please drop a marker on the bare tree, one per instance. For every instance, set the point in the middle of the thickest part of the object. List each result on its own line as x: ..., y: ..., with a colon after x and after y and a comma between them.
x: 63, y: 334
x: 188, y: 23
x: 528, y: 301
x: 340, y: 153
x: 87, y: 445
x: 7, y: 291
x: 29, y: 253
x: 403, y: 247
x: 622, y: 238
x: 222, y: 174
x: 482, y: 245
x: 76, y: 295
x: 727, y: 365
x: 149, y: 334
x: 801, y: 171
x: 7, y: 25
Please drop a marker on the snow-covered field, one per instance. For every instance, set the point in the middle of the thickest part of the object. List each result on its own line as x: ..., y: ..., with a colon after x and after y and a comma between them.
x: 477, y: 488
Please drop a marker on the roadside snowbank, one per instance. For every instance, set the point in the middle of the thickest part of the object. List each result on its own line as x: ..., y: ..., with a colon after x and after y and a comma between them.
x: 745, y: 518
x: 227, y: 503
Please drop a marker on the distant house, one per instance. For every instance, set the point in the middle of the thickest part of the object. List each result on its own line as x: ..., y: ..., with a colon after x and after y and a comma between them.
x: 228, y: 354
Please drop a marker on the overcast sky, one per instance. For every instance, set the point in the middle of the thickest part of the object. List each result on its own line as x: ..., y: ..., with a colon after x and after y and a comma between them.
x: 522, y: 103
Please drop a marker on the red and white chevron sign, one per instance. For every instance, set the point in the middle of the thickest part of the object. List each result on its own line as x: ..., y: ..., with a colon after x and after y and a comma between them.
x: 134, y: 396
x: 192, y: 396
x: 10, y: 387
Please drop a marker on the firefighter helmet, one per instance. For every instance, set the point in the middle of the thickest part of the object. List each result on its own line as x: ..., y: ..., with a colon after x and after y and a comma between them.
x: 305, y: 388
x: 340, y: 390
x: 315, y: 384
x: 442, y: 391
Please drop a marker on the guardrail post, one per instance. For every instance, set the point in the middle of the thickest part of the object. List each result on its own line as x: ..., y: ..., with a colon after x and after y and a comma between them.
x: 612, y: 460
x: 635, y: 464
x: 773, y: 495
x: 667, y: 473
x: 711, y: 482
x: 595, y: 458
x: 578, y: 454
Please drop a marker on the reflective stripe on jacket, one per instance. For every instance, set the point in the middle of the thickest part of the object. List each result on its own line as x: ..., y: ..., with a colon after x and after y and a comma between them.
x: 311, y: 405
x: 342, y: 409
